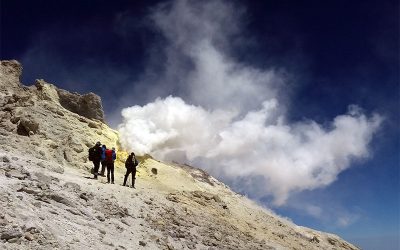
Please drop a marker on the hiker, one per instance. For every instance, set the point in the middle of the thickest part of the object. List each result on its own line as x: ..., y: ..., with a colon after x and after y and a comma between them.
x: 110, y: 158
x: 130, y: 165
x: 95, y: 157
x: 103, y: 160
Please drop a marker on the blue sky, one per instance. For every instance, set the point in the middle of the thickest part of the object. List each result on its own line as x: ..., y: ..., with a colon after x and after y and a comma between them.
x: 330, y: 53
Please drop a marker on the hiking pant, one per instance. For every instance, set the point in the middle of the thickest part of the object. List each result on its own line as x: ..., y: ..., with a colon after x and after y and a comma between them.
x: 96, y: 164
x: 128, y: 171
x: 110, y: 169
x: 103, y: 167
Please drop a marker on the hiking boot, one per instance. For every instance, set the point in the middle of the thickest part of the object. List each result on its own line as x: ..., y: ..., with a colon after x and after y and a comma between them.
x: 112, y: 182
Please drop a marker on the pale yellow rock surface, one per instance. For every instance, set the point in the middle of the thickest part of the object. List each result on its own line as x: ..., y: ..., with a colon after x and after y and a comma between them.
x: 49, y: 201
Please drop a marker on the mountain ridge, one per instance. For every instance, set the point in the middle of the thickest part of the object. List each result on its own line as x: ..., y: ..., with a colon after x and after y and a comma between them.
x: 48, y: 200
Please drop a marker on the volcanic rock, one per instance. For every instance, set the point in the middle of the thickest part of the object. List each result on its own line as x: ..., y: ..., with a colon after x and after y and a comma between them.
x: 88, y: 105
x: 49, y: 199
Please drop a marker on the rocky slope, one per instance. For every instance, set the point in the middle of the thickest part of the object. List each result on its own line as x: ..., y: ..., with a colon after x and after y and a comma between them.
x: 49, y: 201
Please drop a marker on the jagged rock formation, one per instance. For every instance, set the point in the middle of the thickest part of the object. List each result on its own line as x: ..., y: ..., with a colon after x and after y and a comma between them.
x: 47, y: 203
x: 45, y: 117
x: 88, y: 105
x: 10, y: 73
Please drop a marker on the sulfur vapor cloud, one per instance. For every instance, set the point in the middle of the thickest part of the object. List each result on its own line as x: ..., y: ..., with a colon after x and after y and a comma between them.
x: 230, y: 118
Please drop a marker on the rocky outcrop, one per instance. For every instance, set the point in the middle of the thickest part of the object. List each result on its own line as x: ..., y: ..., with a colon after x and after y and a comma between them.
x: 10, y: 73
x: 88, y: 105
x: 50, y: 123
x: 46, y: 91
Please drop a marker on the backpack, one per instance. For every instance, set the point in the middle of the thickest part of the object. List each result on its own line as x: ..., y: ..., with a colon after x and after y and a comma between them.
x: 109, y: 155
x: 91, y: 154
x: 126, y: 164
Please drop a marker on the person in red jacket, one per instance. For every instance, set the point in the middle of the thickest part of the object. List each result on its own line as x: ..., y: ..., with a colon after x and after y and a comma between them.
x: 110, y: 158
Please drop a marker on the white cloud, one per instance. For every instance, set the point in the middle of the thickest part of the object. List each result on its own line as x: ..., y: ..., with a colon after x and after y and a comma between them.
x: 230, y: 118
x: 313, y: 210
x: 284, y: 157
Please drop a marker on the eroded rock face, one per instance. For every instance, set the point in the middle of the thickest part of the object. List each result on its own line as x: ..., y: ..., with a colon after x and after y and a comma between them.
x: 51, y: 124
x: 88, y: 105
x: 46, y: 91
x: 10, y: 73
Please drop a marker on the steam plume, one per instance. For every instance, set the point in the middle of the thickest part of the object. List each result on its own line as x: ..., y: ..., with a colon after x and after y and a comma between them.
x: 229, y: 117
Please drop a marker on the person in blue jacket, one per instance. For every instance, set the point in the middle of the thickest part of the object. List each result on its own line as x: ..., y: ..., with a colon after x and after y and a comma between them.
x: 103, y: 160
x: 114, y: 155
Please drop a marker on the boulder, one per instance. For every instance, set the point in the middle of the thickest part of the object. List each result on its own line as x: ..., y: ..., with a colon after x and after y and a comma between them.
x: 27, y: 124
x: 100, y: 217
x: 29, y: 236
x: 30, y: 225
x: 5, y: 159
x: 13, y: 173
x: 60, y: 199
x: 11, y: 233
x: 93, y: 125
